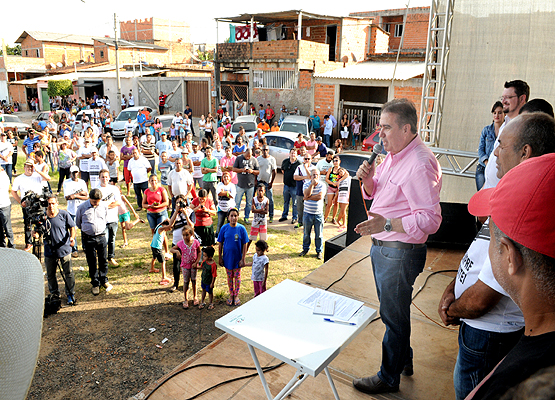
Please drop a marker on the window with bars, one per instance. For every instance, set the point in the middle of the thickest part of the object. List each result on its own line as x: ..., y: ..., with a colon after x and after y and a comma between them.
x: 398, y: 30
x: 275, y: 79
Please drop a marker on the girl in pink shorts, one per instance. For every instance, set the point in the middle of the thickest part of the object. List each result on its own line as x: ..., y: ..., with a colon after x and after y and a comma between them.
x: 188, y: 250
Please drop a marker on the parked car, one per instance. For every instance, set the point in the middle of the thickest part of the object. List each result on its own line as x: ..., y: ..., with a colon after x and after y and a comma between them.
x: 351, y: 160
x: 78, y: 125
x: 118, y: 126
x: 370, y: 140
x: 248, y: 122
x: 166, y: 121
x: 14, y: 123
x: 280, y: 144
x: 45, y: 115
x: 296, y: 123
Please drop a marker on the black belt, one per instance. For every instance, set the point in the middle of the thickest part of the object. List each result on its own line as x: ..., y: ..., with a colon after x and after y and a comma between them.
x: 398, y: 245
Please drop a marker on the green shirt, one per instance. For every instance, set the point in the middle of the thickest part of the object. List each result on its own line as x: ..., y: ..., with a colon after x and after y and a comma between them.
x: 212, y: 164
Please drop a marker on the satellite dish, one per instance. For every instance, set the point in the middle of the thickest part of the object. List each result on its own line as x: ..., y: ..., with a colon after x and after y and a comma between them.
x: 59, y: 64
x: 52, y: 65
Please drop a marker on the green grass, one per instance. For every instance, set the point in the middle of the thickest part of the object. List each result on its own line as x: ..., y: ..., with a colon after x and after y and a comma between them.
x: 132, y: 281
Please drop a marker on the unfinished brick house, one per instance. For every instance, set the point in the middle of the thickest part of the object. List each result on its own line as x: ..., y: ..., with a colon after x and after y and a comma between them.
x: 287, y: 49
x: 363, y: 88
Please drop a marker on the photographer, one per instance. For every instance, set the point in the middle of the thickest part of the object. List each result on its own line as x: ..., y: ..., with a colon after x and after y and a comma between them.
x: 22, y: 184
x: 58, y: 242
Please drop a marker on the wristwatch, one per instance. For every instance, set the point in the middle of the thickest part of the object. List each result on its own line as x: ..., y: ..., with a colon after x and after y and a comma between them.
x: 388, y: 227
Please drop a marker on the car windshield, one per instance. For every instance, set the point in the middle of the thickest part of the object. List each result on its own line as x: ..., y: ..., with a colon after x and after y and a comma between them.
x: 249, y: 127
x: 125, y: 115
x: 293, y: 127
x: 11, y: 118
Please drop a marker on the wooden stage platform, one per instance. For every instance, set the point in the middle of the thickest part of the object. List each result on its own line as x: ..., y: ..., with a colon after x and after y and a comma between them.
x: 435, y: 348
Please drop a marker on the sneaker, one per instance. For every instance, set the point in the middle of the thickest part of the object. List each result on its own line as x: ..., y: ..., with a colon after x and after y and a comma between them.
x: 173, y: 289
x: 271, y: 219
x: 95, y: 290
x: 75, y: 254
x: 29, y: 247
x: 108, y: 286
x: 138, y: 209
x: 303, y: 253
x: 294, y: 221
x: 319, y: 256
x: 246, y: 220
x: 300, y: 224
x: 282, y: 219
x: 114, y: 262
x: 71, y: 300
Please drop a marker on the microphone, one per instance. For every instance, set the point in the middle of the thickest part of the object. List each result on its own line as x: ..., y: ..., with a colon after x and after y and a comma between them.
x: 377, y: 149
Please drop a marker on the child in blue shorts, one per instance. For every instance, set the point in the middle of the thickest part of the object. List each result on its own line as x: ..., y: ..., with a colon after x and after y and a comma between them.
x: 157, y: 252
x: 208, y: 277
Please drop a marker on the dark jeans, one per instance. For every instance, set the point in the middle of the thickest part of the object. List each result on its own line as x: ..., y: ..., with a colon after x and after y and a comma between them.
x: 95, y: 247
x: 85, y: 177
x: 479, y: 353
x: 222, y: 215
x: 8, y: 169
x: 316, y: 221
x: 327, y: 141
x: 211, y: 187
x: 176, y: 269
x: 64, y: 173
x: 27, y: 227
x: 6, y: 227
x: 51, y: 265
x: 480, y: 176
x: 395, y: 271
x: 300, y: 208
x: 139, y: 191
x: 289, y: 193
x: 111, y: 230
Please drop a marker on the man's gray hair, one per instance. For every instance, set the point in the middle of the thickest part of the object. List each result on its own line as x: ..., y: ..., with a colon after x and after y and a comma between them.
x: 405, y: 112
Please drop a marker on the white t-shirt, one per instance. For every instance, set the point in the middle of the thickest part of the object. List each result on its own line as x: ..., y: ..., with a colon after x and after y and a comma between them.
x: 110, y: 194
x: 323, y: 165
x: 179, y: 181
x: 5, y: 149
x: 95, y: 166
x: 218, y: 155
x: 225, y: 204
x: 139, y: 169
x: 258, y: 264
x: 344, y: 190
x: 490, y: 172
x: 4, y: 192
x: 84, y: 163
x: 71, y: 187
x: 103, y: 152
x: 24, y: 183
x: 128, y: 127
x: 505, y: 316
x: 198, y: 156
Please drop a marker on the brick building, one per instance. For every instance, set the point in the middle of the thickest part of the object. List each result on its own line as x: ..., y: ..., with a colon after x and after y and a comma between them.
x: 277, y: 67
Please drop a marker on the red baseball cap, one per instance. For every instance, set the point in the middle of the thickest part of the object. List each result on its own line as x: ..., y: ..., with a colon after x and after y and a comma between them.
x: 522, y: 204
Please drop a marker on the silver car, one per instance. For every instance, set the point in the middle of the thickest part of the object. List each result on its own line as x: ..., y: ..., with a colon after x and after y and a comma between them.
x: 14, y: 123
x: 296, y: 123
x: 280, y: 143
x: 118, y: 126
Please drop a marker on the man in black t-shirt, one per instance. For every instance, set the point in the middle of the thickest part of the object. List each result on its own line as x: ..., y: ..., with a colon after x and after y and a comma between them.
x: 246, y: 168
x: 58, y: 243
x: 288, y: 167
x: 522, y: 254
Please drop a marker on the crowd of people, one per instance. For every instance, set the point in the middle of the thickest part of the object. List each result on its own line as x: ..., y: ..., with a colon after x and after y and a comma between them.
x: 191, y: 189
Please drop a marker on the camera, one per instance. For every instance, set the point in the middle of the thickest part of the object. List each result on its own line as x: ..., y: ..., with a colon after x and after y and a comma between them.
x: 181, y: 204
x: 36, y: 209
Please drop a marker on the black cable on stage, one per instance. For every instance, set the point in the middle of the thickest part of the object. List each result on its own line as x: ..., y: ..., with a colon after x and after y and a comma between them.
x: 347, y: 270
x: 264, y: 369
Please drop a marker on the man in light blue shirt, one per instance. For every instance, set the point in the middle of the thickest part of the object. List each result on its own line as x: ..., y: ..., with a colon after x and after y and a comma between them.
x: 328, y: 127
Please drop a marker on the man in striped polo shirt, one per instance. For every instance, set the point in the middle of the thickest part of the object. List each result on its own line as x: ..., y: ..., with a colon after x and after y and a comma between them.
x: 313, y: 213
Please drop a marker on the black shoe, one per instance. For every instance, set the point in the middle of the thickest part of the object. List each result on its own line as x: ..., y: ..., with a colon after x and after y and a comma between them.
x: 173, y: 288
x: 303, y: 253
x: 373, y: 385
x: 408, y: 370
x: 282, y: 219
x: 293, y: 221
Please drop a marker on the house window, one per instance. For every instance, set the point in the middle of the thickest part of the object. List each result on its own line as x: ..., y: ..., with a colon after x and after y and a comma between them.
x: 38, y: 53
x: 26, y: 53
x: 387, y: 28
x: 101, y: 53
x: 398, y: 30
x: 275, y: 79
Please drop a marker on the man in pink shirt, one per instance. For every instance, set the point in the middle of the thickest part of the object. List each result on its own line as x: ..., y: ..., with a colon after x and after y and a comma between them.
x: 405, y: 210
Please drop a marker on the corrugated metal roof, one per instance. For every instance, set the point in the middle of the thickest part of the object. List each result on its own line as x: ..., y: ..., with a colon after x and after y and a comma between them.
x: 56, y: 37
x: 73, y: 76
x: 377, y: 70
x: 129, y: 44
x: 266, y: 18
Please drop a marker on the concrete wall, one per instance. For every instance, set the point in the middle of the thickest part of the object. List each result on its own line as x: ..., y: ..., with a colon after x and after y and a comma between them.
x: 152, y: 30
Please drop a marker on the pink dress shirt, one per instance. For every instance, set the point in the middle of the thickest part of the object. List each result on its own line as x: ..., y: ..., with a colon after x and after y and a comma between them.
x: 407, y: 186
x: 228, y: 162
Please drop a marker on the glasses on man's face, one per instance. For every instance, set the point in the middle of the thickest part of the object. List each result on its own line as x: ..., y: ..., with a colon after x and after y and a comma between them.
x: 265, y: 149
x: 336, y: 160
x: 307, y: 159
x: 503, y: 98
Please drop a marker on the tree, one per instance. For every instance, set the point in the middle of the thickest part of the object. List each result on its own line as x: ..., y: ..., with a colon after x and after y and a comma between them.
x: 62, y: 87
x: 12, y: 51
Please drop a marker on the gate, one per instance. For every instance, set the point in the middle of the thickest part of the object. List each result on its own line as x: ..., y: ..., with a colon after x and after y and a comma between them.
x: 368, y: 115
x: 235, y: 93
x: 195, y: 92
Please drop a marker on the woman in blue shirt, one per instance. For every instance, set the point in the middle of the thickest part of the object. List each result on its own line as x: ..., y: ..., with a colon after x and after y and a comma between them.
x: 487, y: 140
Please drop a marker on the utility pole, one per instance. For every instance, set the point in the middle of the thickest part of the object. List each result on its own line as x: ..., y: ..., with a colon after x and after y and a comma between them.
x: 118, y: 95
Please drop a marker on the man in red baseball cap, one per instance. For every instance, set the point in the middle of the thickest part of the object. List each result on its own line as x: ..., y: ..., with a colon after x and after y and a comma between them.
x: 522, y: 254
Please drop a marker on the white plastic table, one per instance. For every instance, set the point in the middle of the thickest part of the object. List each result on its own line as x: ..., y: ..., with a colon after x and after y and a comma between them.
x: 275, y: 323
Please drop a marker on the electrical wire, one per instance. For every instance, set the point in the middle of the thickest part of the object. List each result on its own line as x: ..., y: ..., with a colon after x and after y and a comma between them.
x: 264, y: 369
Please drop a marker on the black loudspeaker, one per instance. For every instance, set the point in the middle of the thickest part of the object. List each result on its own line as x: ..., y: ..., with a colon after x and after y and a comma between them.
x: 357, y: 213
x: 457, y: 229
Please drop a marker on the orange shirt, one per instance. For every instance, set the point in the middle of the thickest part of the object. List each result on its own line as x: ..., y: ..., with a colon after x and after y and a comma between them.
x: 264, y: 126
x: 274, y: 129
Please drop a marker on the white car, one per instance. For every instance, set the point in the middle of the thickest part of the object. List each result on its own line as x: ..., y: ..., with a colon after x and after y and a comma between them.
x: 280, y: 143
x: 296, y: 123
x: 15, y: 124
x: 118, y: 126
x: 78, y: 126
x: 248, y: 122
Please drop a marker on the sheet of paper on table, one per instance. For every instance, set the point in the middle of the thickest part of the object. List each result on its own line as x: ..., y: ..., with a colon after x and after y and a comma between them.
x: 345, y: 307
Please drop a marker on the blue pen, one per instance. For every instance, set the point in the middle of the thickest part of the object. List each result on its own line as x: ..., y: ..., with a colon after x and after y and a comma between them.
x: 337, y: 321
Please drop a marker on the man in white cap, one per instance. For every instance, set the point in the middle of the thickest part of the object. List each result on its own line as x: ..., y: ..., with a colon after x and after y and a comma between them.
x: 75, y: 193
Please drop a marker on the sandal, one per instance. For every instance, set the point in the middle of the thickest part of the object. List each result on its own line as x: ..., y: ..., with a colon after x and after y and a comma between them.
x: 185, y: 305
x: 164, y: 282
x: 211, y: 306
x: 153, y: 270
x: 201, y: 306
x: 142, y: 221
x: 229, y: 302
x: 237, y: 302
x: 195, y: 302
x: 123, y: 246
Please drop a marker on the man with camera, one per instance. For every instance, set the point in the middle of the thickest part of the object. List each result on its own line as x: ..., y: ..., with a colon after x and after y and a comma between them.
x: 24, y: 183
x: 58, y: 242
